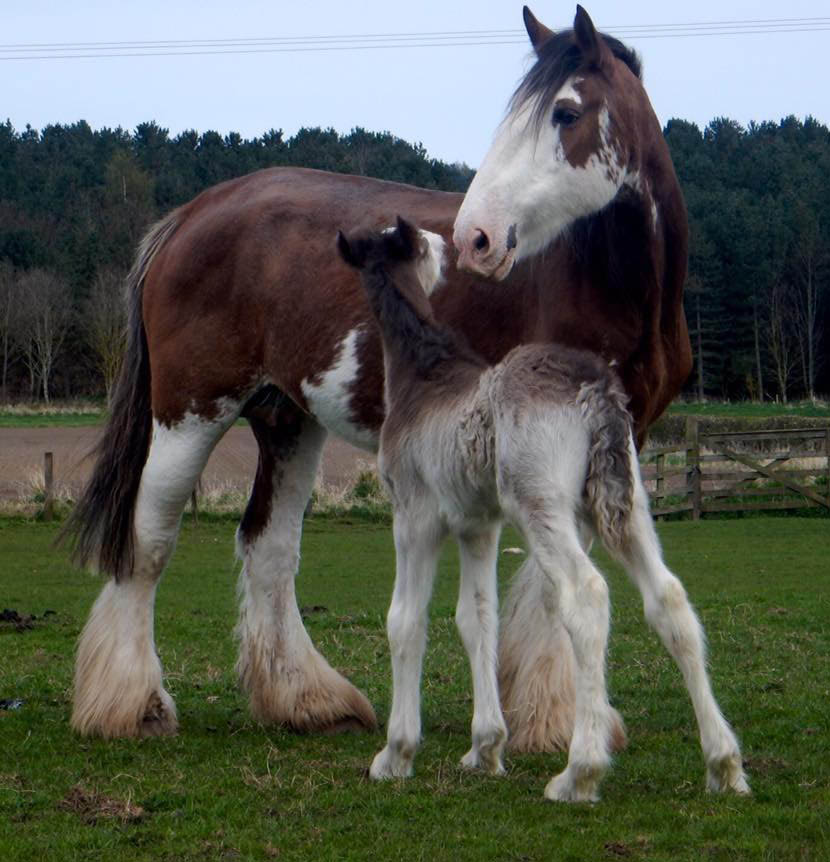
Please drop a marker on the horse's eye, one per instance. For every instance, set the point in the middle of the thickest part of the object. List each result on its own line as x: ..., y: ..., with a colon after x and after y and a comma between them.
x: 564, y: 116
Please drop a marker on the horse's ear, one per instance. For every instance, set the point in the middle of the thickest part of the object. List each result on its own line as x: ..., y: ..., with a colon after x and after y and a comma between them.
x: 346, y: 251
x: 536, y: 30
x: 587, y: 38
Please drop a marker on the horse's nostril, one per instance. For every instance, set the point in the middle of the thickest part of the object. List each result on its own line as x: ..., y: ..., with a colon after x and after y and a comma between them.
x: 481, y: 242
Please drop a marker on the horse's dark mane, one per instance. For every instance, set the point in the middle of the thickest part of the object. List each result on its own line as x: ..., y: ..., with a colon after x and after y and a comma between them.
x: 558, y: 59
x: 614, y: 245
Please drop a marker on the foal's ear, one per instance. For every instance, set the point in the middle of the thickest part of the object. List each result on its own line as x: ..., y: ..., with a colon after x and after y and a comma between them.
x: 351, y: 255
x: 409, y: 239
x: 587, y: 38
x: 536, y: 30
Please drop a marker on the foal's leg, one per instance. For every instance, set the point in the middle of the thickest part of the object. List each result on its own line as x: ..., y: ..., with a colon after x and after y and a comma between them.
x: 668, y: 611
x: 584, y: 605
x: 118, y: 677
x: 287, y: 680
x: 417, y: 542
x: 477, y: 619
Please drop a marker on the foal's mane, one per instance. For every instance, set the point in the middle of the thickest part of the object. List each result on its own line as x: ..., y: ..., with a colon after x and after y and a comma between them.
x: 557, y: 59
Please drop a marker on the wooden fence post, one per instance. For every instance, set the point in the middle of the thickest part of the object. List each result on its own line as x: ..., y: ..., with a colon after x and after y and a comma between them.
x: 693, y: 483
x: 827, y: 456
x: 659, y: 463
x: 49, y: 487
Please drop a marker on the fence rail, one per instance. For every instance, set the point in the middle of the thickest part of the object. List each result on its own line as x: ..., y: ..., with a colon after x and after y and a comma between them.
x: 739, y: 471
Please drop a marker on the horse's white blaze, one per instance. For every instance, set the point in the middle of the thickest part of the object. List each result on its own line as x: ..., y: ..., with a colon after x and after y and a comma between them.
x: 569, y: 90
x: 330, y: 399
x: 527, y: 191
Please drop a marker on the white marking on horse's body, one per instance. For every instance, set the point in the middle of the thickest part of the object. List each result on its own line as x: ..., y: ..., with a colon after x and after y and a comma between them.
x: 635, y: 181
x: 329, y: 397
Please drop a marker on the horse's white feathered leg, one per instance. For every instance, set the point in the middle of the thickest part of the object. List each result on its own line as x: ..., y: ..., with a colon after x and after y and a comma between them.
x: 286, y: 678
x: 118, y: 677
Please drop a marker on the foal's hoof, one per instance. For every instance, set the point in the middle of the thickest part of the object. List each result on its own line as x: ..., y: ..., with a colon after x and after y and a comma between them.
x: 727, y: 774
x: 391, y: 764
x: 486, y: 751
x: 567, y: 787
x: 487, y: 760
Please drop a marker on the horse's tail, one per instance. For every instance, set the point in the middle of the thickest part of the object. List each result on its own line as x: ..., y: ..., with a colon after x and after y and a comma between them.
x: 609, y: 488
x: 100, y: 526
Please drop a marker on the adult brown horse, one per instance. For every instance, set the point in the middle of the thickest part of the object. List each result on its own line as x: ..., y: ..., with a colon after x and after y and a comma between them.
x: 574, y: 230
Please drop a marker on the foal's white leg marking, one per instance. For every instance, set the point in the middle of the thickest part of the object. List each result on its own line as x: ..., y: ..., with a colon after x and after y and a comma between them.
x: 417, y: 542
x: 668, y: 611
x: 118, y: 676
x: 288, y: 681
x: 477, y: 619
x: 329, y: 400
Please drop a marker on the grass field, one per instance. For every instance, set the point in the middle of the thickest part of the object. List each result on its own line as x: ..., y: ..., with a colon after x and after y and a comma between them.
x: 228, y: 789
x: 87, y: 413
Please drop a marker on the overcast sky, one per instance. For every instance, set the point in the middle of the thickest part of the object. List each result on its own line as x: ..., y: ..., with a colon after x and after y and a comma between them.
x: 448, y: 98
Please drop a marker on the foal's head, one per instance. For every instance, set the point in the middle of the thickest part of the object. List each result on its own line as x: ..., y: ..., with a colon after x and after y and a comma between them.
x: 400, y: 258
x: 579, y: 128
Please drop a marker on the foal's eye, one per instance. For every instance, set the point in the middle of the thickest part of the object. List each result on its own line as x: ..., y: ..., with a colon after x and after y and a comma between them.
x: 563, y: 116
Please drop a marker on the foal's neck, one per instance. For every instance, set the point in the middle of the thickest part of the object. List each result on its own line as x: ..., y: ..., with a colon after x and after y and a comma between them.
x: 415, y: 344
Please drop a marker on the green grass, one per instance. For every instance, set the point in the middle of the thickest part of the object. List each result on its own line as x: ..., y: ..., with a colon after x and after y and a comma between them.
x: 38, y: 416
x: 50, y: 420
x: 228, y: 789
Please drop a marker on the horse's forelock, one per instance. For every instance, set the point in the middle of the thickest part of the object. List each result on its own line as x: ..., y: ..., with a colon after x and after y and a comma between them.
x: 559, y: 58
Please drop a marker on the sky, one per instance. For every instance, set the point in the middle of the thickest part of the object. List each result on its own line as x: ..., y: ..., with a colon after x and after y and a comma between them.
x: 450, y: 98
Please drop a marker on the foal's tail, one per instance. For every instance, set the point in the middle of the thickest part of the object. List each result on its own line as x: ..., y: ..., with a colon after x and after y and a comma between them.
x: 100, y: 526
x: 609, y: 488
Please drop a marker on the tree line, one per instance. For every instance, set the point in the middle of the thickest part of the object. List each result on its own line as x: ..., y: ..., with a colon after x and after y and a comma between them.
x: 74, y: 203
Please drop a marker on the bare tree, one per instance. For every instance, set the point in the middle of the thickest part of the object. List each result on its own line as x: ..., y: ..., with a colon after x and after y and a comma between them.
x: 44, y: 315
x: 810, y: 257
x: 7, y: 322
x: 104, y: 324
x: 781, y: 334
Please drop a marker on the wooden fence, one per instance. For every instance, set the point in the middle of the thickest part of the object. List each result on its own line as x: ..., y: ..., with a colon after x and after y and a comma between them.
x: 739, y: 471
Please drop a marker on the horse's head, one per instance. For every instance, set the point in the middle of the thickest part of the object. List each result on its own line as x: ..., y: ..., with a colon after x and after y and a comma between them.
x: 573, y: 136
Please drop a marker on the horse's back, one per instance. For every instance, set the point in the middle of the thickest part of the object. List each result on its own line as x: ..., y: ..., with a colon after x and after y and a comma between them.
x: 250, y: 286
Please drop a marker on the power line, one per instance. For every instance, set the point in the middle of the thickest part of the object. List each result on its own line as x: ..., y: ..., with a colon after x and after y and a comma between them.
x: 386, y: 41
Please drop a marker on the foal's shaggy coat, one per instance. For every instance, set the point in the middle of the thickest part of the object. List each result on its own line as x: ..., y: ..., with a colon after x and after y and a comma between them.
x: 544, y: 439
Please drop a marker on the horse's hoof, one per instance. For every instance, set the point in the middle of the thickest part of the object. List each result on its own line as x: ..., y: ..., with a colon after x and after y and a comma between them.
x: 159, y: 717
x: 347, y: 724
